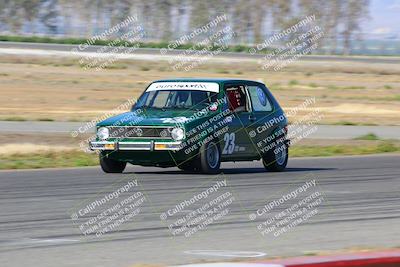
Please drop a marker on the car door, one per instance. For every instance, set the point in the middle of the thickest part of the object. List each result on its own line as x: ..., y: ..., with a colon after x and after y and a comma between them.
x: 265, y: 120
x: 236, y: 143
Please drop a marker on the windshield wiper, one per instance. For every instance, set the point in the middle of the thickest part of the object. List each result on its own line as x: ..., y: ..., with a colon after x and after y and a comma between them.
x: 151, y: 107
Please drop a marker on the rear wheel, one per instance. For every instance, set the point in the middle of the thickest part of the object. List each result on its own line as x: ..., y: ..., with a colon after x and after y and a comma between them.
x: 210, y: 158
x: 276, y: 159
x: 109, y: 165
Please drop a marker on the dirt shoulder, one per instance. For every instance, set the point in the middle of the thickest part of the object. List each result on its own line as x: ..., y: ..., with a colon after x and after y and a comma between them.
x: 52, y: 88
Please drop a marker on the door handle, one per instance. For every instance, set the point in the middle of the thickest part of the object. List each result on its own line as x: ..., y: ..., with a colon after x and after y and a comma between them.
x: 252, y: 118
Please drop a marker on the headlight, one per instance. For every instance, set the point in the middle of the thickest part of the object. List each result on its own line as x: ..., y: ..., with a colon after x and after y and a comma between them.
x: 178, y: 134
x: 103, y: 133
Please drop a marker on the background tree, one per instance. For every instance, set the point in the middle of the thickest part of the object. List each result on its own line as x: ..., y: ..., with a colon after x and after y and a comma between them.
x: 166, y: 20
x: 13, y: 15
x: 30, y: 9
x: 355, y: 11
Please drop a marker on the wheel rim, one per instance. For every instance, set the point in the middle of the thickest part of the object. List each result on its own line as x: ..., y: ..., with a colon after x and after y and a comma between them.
x: 212, y: 155
x: 280, y: 157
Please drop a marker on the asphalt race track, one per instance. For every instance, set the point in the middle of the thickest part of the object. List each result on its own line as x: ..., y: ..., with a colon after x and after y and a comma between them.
x: 324, y: 131
x: 360, y: 210
x: 152, y: 53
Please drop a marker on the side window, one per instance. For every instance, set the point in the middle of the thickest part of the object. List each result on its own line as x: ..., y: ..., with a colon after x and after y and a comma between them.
x: 259, y: 99
x: 236, y: 96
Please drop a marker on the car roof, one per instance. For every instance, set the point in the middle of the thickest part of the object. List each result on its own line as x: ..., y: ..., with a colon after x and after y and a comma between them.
x: 216, y: 80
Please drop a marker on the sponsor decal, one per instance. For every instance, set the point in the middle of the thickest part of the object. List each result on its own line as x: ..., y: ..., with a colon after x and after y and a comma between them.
x: 201, y: 86
x: 175, y: 120
x: 261, y: 96
x: 229, y: 139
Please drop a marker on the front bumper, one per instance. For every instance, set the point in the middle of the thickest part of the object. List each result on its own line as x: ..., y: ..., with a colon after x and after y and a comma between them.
x: 135, y: 146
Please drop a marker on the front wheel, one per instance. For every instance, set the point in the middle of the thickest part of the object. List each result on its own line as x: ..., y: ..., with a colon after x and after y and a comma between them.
x: 109, y: 165
x: 276, y: 160
x: 210, y: 158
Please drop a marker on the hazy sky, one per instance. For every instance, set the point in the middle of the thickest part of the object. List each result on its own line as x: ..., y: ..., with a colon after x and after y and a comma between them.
x: 384, y: 17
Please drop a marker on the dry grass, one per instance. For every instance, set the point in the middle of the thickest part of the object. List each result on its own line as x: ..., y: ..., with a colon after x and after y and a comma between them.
x: 29, y: 149
x: 48, y: 158
x: 46, y: 139
x: 58, y: 89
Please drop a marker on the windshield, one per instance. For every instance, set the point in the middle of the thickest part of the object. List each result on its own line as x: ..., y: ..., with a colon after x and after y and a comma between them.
x: 163, y: 99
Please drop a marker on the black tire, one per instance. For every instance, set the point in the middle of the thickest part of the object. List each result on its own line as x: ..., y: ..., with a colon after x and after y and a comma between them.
x: 209, y: 158
x: 275, y: 160
x: 109, y: 165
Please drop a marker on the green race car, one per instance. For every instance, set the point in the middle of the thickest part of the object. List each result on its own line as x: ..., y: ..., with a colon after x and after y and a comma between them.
x: 195, y: 124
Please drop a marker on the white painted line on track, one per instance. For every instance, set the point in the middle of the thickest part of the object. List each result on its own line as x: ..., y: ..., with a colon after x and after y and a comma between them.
x: 33, y: 241
x: 226, y: 253
x: 231, y: 264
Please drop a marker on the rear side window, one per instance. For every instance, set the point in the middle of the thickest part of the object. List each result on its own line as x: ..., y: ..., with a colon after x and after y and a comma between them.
x: 259, y: 99
x: 236, y: 98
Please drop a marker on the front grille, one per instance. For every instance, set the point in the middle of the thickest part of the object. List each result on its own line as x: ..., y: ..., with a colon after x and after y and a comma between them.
x: 140, y: 132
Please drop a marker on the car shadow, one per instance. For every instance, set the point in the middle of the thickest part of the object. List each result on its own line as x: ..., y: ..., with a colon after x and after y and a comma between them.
x: 230, y: 171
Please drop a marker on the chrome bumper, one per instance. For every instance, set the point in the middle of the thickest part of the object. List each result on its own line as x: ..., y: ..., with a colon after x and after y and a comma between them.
x: 135, y: 146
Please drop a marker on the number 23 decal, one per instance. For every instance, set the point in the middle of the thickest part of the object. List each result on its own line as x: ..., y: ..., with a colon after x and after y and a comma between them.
x: 229, y: 147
